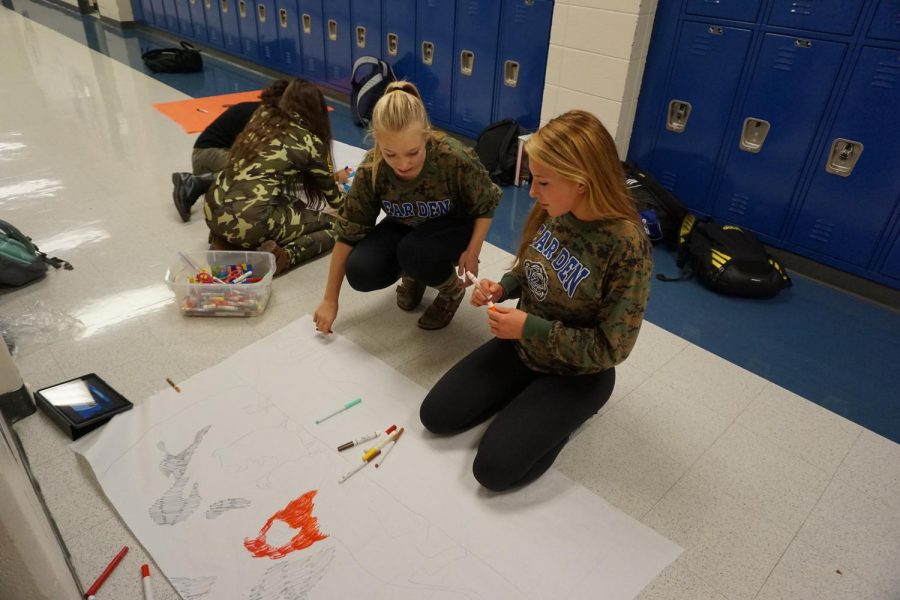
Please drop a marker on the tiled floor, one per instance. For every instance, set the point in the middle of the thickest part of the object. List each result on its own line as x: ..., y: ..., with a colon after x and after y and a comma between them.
x: 770, y: 495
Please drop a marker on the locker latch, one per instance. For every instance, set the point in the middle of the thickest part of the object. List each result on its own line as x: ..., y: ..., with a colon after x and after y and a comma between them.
x: 283, y: 18
x: 393, y: 44
x: 679, y: 113
x: 307, y: 24
x: 427, y: 53
x: 360, y: 37
x: 261, y: 12
x: 466, y: 62
x: 224, y: 6
x: 843, y: 157
x: 208, y: 4
x: 242, y: 8
x: 753, y: 134
x: 510, y: 73
x: 332, y: 30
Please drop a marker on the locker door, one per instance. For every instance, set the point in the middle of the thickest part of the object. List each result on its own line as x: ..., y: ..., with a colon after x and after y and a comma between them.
x: 198, y: 20
x: 739, y: 10
x: 886, y: 23
x: 790, y: 86
x: 832, y: 16
x: 707, y: 67
x: 267, y: 29
x: 434, y: 50
x: 183, y: 9
x: 474, y: 63
x: 146, y: 12
x: 289, y: 56
x: 231, y: 33
x: 247, y: 28
x: 891, y: 266
x: 171, y: 16
x: 138, y: 10
x: 365, y: 28
x: 213, y: 17
x: 398, y: 44
x: 337, y: 43
x: 845, y: 212
x: 522, y: 61
x: 312, y: 39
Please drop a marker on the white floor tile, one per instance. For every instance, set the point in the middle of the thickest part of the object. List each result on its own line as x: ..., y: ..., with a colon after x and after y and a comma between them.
x: 873, y: 467
x: 677, y: 582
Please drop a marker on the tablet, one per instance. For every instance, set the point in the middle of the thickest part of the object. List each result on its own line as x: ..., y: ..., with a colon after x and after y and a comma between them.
x: 82, y: 404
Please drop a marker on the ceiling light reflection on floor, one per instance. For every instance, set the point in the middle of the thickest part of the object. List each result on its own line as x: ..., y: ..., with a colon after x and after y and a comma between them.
x: 67, y: 240
x: 123, y: 306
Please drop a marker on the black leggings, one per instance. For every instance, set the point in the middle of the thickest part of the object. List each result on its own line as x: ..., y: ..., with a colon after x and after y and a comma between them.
x: 536, y: 412
x: 426, y: 253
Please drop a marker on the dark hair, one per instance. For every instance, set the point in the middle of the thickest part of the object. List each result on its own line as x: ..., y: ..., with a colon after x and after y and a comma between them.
x: 284, y: 103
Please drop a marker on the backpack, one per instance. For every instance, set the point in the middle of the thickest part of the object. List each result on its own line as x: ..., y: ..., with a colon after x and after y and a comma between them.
x: 497, y: 147
x: 727, y: 260
x: 186, y: 59
x: 368, y: 81
x: 20, y: 260
x: 661, y: 212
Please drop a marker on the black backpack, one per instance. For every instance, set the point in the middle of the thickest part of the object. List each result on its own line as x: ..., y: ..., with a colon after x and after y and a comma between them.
x: 368, y: 81
x: 727, y: 260
x: 497, y: 147
x: 655, y: 203
x: 186, y: 59
x: 20, y: 260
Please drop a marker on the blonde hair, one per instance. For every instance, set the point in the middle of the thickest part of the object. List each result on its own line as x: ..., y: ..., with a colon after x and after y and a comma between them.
x: 576, y: 146
x: 398, y: 109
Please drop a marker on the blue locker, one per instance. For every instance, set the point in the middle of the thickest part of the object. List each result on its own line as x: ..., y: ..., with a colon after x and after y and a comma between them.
x: 434, y: 65
x: 289, y: 58
x: 738, y: 10
x: 247, y: 28
x: 844, y: 216
x: 474, y: 64
x: 171, y: 16
x: 198, y: 20
x: 891, y: 266
x: 365, y: 28
x: 183, y: 10
x: 522, y: 61
x: 398, y: 26
x: 267, y: 29
x: 213, y: 17
x: 137, y: 11
x: 886, y: 23
x: 698, y: 101
x: 338, y: 62
x: 231, y: 32
x: 312, y: 30
x: 791, y: 84
x: 832, y: 16
x: 147, y: 12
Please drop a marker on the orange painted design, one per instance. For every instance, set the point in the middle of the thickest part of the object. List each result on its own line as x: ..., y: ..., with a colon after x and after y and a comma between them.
x: 298, y: 515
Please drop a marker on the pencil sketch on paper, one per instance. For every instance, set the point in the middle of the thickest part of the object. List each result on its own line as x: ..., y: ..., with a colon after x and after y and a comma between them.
x: 222, y: 506
x: 177, y: 464
x: 291, y: 580
x: 264, y: 450
x: 174, y: 506
x: 298, y: 516
x: 193, y: 588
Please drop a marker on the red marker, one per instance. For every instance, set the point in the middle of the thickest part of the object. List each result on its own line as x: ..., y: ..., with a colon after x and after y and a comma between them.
x: 106, y: 572
x: 145, y: 582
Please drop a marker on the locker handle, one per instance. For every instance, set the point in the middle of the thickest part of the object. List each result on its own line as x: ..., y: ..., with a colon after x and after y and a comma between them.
x: 360, y: 37
x: 843, y: 157
x: 208, y: 4
x: 261, y: 12
x: 427, y: 53
x: 678, y: 115
x: 393, y: 44
x: 224, y: 5
x: 511, y: 73
x: 242, y: 8
x: 307, y: 24
x: 466, y: 62
x: 283, y: 18
x: 193, y: 2
x: 332, y: 29
x: 753, y: 134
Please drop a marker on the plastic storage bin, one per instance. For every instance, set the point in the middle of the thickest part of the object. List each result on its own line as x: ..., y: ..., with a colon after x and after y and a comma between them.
x: 221, y: 299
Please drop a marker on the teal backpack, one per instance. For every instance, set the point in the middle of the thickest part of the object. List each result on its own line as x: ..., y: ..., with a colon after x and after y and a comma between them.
x: 20, y: 260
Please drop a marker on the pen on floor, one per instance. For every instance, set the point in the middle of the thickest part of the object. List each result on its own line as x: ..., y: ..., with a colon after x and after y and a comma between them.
x: 172, y: 383
x: 145, y: 582
x: 388, y: 451
x: 350, y: 404
x: 203, y: 110
x: 474, y: 280
x: 106, y: 573
x: 353, y: 472
x: 376, y: 449
x: 360, y: 440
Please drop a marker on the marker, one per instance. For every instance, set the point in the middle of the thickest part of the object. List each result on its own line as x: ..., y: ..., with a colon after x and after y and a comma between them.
x: 350, y: 404
x: 388, y: 451
x: 242, y: 277
x: 358, y: 441
x: 203, y: 110
x: 195, y: 267
x: 353, y: 472
x: 474, y: 280
x: 376, y: 450
x: 106, y: 572
x: 172, y: 383
x: 145, y: 582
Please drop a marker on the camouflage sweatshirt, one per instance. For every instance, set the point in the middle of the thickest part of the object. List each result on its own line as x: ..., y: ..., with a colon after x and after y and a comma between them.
x: 453, y: 184
x: 248, y: 190
x: 584, y: 285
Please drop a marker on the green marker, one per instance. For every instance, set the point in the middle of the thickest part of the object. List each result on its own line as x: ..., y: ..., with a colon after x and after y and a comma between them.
x: 350, y: 404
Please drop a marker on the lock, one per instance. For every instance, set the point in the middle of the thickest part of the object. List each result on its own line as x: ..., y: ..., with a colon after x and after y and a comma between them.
x: 466, y: 62
x: 427, y: 53
x: 843, y: 157
x: 753, y: 135
x: 360, y: 37
x: 678, y: 115
x: 393, y: 44
x: 510, y: 73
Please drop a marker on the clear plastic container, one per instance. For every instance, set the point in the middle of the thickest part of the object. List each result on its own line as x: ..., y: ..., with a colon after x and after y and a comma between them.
x: 246, y: 299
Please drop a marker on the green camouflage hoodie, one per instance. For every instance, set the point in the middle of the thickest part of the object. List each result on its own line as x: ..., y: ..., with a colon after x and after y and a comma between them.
x: 453, y: 184
x: 584, y: 285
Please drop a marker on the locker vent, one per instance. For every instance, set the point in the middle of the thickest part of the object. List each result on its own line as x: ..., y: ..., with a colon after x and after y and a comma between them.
x: 821, y: 231
x: 784, y: 59
x: 886, y: 75
x: 802, y: 7
x: 472, y: 7
x: 739, y: 203
x: 520, y: 14
x: 668, y: 179
x: 702, y: 44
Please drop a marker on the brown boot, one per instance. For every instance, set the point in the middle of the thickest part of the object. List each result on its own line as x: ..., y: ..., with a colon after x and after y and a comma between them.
x: 409, y: 293
x: 282, y: 260
x: 441, y: 311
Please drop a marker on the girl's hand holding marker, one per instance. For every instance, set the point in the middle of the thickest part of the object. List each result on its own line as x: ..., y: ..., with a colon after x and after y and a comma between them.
x: 505, y: 323
x: 484, y: 291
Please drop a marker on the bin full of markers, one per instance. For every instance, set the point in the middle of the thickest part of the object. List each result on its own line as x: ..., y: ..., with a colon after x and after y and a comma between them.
x: 222, y: 283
